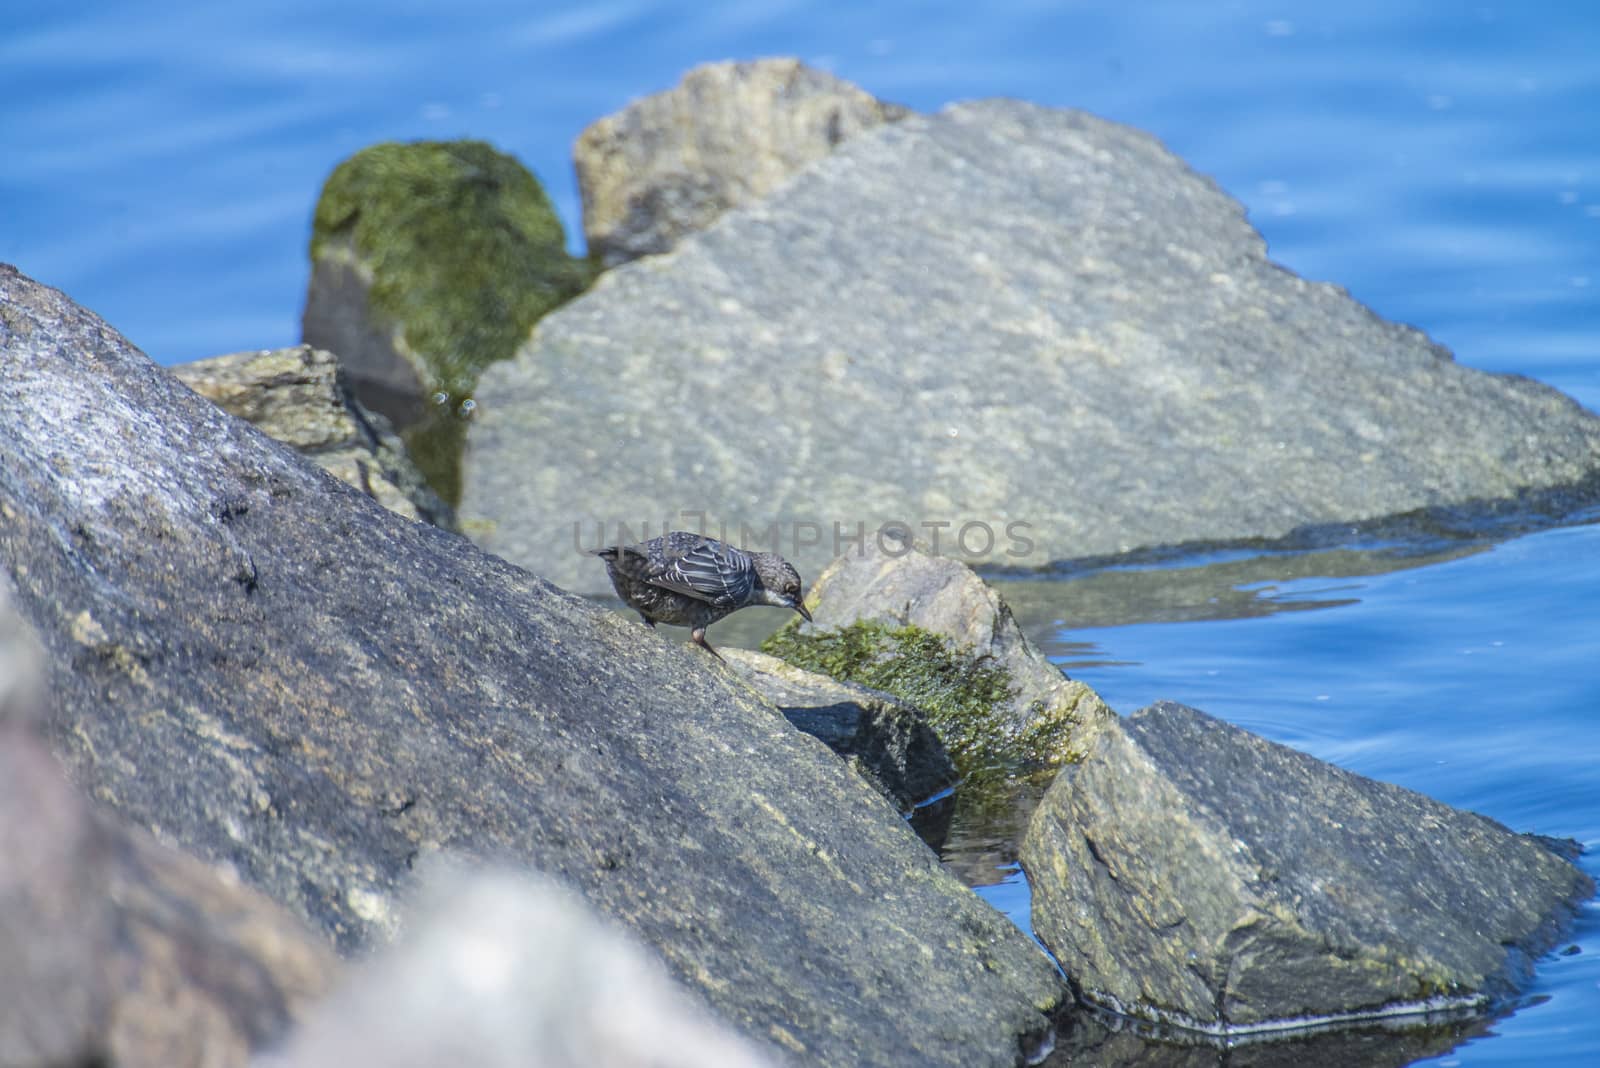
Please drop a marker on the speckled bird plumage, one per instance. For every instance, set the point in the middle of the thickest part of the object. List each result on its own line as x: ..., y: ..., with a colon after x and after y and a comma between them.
x: 690, y: 580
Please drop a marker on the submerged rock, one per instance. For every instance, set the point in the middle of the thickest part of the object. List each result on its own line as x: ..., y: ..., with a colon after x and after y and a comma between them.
x: 885, y: 740
x: 118, y: 950
x: 728, y: 134
x: 1036, y: 327
x: 274, y: 672
x: 429, y: 261
x: 1188, y: 871
x: 298, y: 396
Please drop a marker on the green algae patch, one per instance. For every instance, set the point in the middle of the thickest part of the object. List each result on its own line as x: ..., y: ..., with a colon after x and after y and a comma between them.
x: 969, y: 700
x: 436, y: 445
x: 465, y: 255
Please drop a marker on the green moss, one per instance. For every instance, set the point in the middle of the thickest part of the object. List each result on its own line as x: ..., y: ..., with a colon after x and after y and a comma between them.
x: 968, y: 702
x: 436, y: 444
x: 466, y: 255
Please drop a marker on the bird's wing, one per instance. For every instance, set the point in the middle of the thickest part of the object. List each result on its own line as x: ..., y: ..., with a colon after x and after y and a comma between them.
x: 709, y: 570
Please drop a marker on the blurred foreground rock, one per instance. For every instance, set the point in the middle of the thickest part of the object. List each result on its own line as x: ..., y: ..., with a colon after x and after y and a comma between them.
x: 271, y: 671
x: 1032, y: 326
x: 728, y: 134
x: 501, y: 971
x: 298, y: 396
x: 1188, y: 871
x: 116, y: 950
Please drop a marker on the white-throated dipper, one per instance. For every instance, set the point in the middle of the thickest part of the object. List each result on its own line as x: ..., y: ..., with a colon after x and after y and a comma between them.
x: 690, y: 580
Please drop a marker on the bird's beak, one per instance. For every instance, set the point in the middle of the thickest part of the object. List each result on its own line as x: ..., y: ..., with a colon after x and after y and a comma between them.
x: 801, y: 608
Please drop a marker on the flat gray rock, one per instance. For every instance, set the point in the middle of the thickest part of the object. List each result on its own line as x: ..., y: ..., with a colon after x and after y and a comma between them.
x: 267, y: 668
x: 1037, y: 327
x: 1191, y: 872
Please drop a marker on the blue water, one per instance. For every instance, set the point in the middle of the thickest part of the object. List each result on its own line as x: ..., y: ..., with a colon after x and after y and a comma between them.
x: 1440, y: 160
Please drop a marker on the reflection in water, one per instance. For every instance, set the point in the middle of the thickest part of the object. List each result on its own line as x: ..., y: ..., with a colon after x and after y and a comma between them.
x: 1073, y: 655
x: 1089, y: 1036
x: 1205, y: 586
x: 1237, y: 580
x: 987, y: 828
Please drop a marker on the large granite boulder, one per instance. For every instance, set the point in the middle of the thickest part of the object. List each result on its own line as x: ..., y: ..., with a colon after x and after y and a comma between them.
x: 299, y: 396
x: 267, y: 668
x: 118, y: 950
x: 497, y: 970
x: 729, y: 133
x: 1036, y: 327
x: 1190, y: 872
x: 429, y: 261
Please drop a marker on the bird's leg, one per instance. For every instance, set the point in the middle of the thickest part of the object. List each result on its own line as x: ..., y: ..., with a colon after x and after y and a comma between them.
x: 648, y: 621
x: 698, y: 635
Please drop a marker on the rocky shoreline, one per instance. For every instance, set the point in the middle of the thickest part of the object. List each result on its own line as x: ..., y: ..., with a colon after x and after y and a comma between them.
x: 287, y: 696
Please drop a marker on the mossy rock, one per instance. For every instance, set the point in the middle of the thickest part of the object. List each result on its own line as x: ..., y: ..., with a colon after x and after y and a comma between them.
x: 464, y: 253
x: 967, y: 698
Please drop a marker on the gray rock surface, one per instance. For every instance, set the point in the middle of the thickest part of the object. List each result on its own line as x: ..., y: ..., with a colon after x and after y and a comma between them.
x: 272, y: 671
x: 1001, y: 314
x: 729, y: 133
x: 118, y: 950
x: 298, y: 396
x: 1190, y: 871
x: 884, y: 739
x: 496, y: 970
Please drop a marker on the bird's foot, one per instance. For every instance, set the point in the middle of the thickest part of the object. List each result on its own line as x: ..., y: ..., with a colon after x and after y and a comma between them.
x: 698, y: 636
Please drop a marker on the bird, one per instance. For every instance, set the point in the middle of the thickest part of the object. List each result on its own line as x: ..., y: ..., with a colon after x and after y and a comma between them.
x: 690, y: 580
